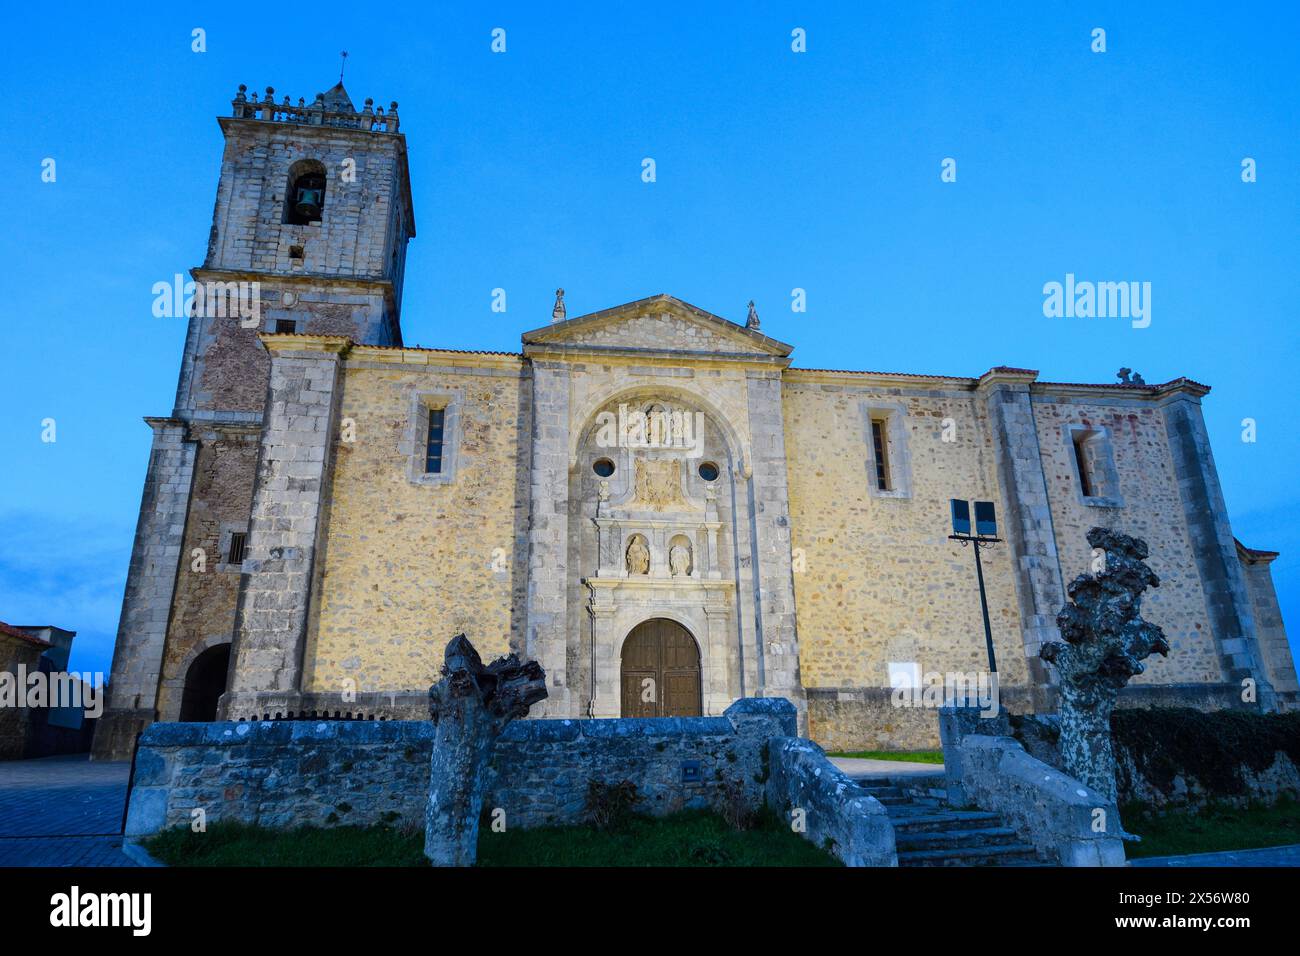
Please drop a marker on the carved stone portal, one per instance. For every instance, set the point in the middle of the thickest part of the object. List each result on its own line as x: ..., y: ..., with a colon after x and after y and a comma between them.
x: 1106, y: 641
x: 470, y: 707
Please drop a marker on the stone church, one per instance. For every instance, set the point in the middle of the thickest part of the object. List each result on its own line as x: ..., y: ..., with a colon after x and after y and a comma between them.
x: 650, y: 499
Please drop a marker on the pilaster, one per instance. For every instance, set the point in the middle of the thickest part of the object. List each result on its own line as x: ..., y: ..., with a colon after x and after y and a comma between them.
x: 773, y: 572
x: 1226, y: 596
x: 151, y: 583
x: 285, y: 531
x: 548, y: 533
x: 1026, y: 521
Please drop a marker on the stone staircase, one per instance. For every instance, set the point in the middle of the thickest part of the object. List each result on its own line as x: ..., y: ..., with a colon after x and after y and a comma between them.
x: 930, y: 833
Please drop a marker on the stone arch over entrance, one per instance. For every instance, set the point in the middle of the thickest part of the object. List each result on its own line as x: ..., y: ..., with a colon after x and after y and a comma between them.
x: 734, y: 445
x: 205, y: 682
x: 660, y: 672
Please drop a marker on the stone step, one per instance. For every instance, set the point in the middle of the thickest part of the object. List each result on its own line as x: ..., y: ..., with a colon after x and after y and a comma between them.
x: 911, y: 809
x: 1009, y: 854
x: 944, y: 820
x: 955, y: 839
x: 880, y: 793
x: 893, y: 801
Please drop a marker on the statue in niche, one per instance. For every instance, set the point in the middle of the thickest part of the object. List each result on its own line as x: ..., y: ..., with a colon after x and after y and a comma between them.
x: 638, y: 557
x: 679, y: 560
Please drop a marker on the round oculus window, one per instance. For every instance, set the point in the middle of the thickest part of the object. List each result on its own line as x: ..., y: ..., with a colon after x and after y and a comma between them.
x: 603, y: 467
x: 708, y: 471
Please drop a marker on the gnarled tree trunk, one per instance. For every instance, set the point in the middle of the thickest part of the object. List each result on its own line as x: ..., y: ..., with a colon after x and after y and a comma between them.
x: 470, y: 707
x: 1106, y: 641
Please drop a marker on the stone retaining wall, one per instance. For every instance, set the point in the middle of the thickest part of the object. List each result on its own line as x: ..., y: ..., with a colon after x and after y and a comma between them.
x: 833, y: 811
x: 284, y: 774
x: 864, y: 718
x: 1067, y: 822
x: 1225, y: 775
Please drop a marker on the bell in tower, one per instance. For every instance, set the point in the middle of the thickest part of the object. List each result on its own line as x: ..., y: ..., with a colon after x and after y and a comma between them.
x: 306, y: 193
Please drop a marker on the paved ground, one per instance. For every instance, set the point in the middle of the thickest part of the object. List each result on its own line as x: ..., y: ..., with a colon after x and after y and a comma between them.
x: 62, y: 811
x: 1269, y: 856
x: 861, y: 769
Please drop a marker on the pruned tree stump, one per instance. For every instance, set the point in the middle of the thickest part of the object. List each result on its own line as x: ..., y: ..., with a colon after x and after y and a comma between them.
x: 470, y: 707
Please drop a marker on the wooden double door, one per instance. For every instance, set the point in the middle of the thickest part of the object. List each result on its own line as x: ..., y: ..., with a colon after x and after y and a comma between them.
x: 661, y: 671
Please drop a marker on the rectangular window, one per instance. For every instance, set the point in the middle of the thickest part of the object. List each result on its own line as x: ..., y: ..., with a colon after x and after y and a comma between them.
x: 1081, y: 460
x: 238, y: 545
x: 434, y: 442
x: 283, y: 326
x: 881, y: 447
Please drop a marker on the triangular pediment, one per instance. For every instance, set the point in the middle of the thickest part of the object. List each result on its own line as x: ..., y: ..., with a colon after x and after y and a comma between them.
x: 660, y: 323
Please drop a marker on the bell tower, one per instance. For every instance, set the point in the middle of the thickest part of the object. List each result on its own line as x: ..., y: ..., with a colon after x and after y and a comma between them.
x: 314, y: 211
x: 309, y: 232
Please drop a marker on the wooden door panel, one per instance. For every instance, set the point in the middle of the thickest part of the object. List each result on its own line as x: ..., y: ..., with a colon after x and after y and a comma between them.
x: 633, y: 691
x: 682, y: 694
x: 664, y: 652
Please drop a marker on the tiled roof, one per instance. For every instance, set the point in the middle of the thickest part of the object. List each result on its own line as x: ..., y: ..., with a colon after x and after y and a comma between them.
x: 1254, y: 554
x: 22, y: 635
x: 853, y: 371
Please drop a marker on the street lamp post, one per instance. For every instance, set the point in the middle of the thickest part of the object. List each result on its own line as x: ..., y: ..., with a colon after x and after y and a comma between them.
x: 985, y: 536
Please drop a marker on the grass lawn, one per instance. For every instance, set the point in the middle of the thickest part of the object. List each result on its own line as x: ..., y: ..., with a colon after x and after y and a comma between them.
x: 1210, y: 830
x: 921, y: 756
x: 696, y: 838
x: 236, y: 844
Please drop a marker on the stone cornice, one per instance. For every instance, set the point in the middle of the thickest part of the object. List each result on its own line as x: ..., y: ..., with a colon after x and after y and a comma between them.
x: 416, y: 356
x: 380, y: 283
x: 560, y: 352
x: 819, y: 376
x: 1002, y: 375
x: 291, y: 344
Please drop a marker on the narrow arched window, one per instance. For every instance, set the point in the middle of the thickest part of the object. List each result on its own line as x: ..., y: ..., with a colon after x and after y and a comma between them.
x: 305, y: 200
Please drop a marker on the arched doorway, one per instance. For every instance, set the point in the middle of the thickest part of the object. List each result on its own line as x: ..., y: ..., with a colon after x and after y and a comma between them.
x: 661, y: 671
x: 205, y: 682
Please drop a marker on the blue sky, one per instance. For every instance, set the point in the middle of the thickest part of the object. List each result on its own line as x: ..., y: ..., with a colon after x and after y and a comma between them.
x: 775, y: 170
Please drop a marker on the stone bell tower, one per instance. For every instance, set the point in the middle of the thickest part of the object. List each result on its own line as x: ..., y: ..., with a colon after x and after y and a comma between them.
x: 309, y: 232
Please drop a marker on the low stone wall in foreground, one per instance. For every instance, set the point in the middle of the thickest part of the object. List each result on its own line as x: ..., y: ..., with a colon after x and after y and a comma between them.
x: 1180, y: 758
x: 834, y: 812
x: 324, y: 772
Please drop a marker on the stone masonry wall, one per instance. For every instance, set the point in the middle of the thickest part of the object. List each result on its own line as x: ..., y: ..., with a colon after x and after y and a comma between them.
x: 1151, y: 510
x: 16, y: 722
x: 1271, y: 632
x: 408, y: 564
x: 203, y: 607
x: 321, y: 773
x: 875, y: 579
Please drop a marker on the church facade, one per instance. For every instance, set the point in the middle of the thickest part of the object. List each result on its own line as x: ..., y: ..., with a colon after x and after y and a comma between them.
x: 650, y: 499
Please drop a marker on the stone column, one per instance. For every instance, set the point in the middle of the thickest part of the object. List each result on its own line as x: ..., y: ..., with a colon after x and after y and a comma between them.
x: 1226, y: 597
x: 293, y: 476
x: 1026, y: 518
x: 720, y: 643
x: 548, y: 533
x: 150, y: 584
x: 770, y: 515
x: 607, y: 671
